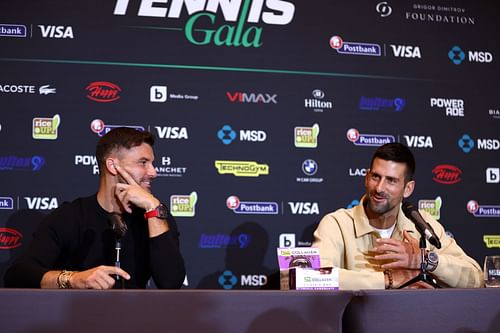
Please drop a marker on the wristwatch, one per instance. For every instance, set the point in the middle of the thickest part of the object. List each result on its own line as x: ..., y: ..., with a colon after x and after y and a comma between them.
x: 432, y: 260
x: 161, y: 212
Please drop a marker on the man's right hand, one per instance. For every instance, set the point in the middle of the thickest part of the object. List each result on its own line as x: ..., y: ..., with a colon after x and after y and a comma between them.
x: 101, y: 277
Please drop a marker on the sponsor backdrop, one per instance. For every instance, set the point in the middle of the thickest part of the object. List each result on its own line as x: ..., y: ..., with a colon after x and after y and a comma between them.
x: 266, y: 114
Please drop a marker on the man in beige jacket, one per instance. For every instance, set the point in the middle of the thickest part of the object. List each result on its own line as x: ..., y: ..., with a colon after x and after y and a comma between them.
x: 376, y: 246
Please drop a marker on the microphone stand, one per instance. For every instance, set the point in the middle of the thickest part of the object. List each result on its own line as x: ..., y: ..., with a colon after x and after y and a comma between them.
x: 424, y: 276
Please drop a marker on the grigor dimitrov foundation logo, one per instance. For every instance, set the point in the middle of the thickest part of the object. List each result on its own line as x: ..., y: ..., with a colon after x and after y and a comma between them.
x: 218, y: 22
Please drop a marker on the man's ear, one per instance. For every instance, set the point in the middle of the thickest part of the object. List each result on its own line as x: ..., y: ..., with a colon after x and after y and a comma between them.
x: 110, y: 166
x: 409, y: 187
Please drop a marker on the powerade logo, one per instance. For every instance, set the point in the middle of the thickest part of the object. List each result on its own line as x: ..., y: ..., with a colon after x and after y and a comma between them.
x: 9, y: 163
x: 381, y: 104
x: 10, y: 238
x: 183, y: 205
x: 373, y: 140
x: 477, y: 210
x: 454, y: 107
x: 432, y: 207
x: 6, y: 203
x: 241, y: 168
x: 251, y: 207
x: 222, y: 241
x: 13, y: 30
x: 204, y: 27
x: 354, y: 48
x: 97, y: 126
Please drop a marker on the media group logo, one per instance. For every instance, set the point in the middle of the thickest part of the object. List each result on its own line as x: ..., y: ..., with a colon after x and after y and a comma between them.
x: 11, y: 163
x: 251, y: 207
x: 381, y: 104
x: 241, y: 168
x: 159, y: 94
x: 372, y: 140
x: 182, y: 205
x: 46, y: 128
x: 457, y: 56
x: 493, y: 175
x: 478, y: 210
x: 13, y: 30
x: 355, y: 48
x: 306, y: 137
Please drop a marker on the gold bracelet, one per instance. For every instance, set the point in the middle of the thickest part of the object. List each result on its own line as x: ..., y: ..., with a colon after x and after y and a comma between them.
x: 388, y: 273
x: 63, y: 279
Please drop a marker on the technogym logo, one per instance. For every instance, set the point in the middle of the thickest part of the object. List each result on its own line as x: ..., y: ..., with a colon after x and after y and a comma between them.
x: 217, y: 22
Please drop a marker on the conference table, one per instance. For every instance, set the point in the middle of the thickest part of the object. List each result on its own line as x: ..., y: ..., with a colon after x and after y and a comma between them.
x: 118, y: 311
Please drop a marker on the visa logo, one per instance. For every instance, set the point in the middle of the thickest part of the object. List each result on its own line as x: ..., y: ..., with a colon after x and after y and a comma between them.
x: 41, y: 203
x: 404, y: 51
x: 167, y: 132
x: 56, y: 31
x: 304, y: 208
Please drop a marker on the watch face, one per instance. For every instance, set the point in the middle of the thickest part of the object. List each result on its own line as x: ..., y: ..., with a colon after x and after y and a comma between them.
x: 162, y: 211
x: 432, y: 256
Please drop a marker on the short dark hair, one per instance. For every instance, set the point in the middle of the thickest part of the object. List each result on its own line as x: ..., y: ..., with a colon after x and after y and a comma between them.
x: 121, y: 137
x: 396, y: 152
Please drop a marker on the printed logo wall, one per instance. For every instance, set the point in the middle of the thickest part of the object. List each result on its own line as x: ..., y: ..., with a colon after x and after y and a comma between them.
x: 265, y: 114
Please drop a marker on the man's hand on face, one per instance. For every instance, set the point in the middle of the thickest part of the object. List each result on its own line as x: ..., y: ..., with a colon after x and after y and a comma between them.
x: 132, y: 194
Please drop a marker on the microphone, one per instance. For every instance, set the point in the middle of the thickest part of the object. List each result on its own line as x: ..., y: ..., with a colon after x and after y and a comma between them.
x: 423, y: 227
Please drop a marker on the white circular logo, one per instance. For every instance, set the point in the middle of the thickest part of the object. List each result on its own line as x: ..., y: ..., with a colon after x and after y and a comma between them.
x: 336, y: 42
x: 383, y: 9
x: 352, y: 135
x: 472, y: 206
x: 97, y: 125
x: 232, y: 202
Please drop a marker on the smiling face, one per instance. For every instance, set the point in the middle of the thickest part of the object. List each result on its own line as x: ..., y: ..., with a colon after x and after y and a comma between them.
x: 138, y: 162
x: 386, y: 188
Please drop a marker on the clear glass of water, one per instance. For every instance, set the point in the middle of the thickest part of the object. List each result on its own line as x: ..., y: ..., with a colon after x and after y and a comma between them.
x: 492, y: 271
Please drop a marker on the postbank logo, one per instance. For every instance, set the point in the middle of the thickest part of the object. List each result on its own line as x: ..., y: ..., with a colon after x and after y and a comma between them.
x: 491, y: 241
x: 478, y: 210
x: 306, y: 137
x: 183, y: 205
x: 251, y: 207
x: 432, y: 207
x: 242, y: 168
x: 373, y: 140
x: 97, y: 126
x: 46, y: 128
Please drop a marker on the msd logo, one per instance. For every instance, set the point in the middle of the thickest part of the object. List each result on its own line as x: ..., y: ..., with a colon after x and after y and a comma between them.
x: 56, y: 31
x: 103, y: 92
x: 466, y: 143
x: 243, y: 97
x: 226, y: 135
x: 457, y: 56
x: 447, y: 174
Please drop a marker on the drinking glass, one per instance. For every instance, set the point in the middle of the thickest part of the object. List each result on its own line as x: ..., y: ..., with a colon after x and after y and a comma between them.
x: 492, y: 271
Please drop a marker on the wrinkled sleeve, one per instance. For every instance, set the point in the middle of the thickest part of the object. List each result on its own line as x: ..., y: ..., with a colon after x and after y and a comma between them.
x: 167, y: 264
x: 333, y: 239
